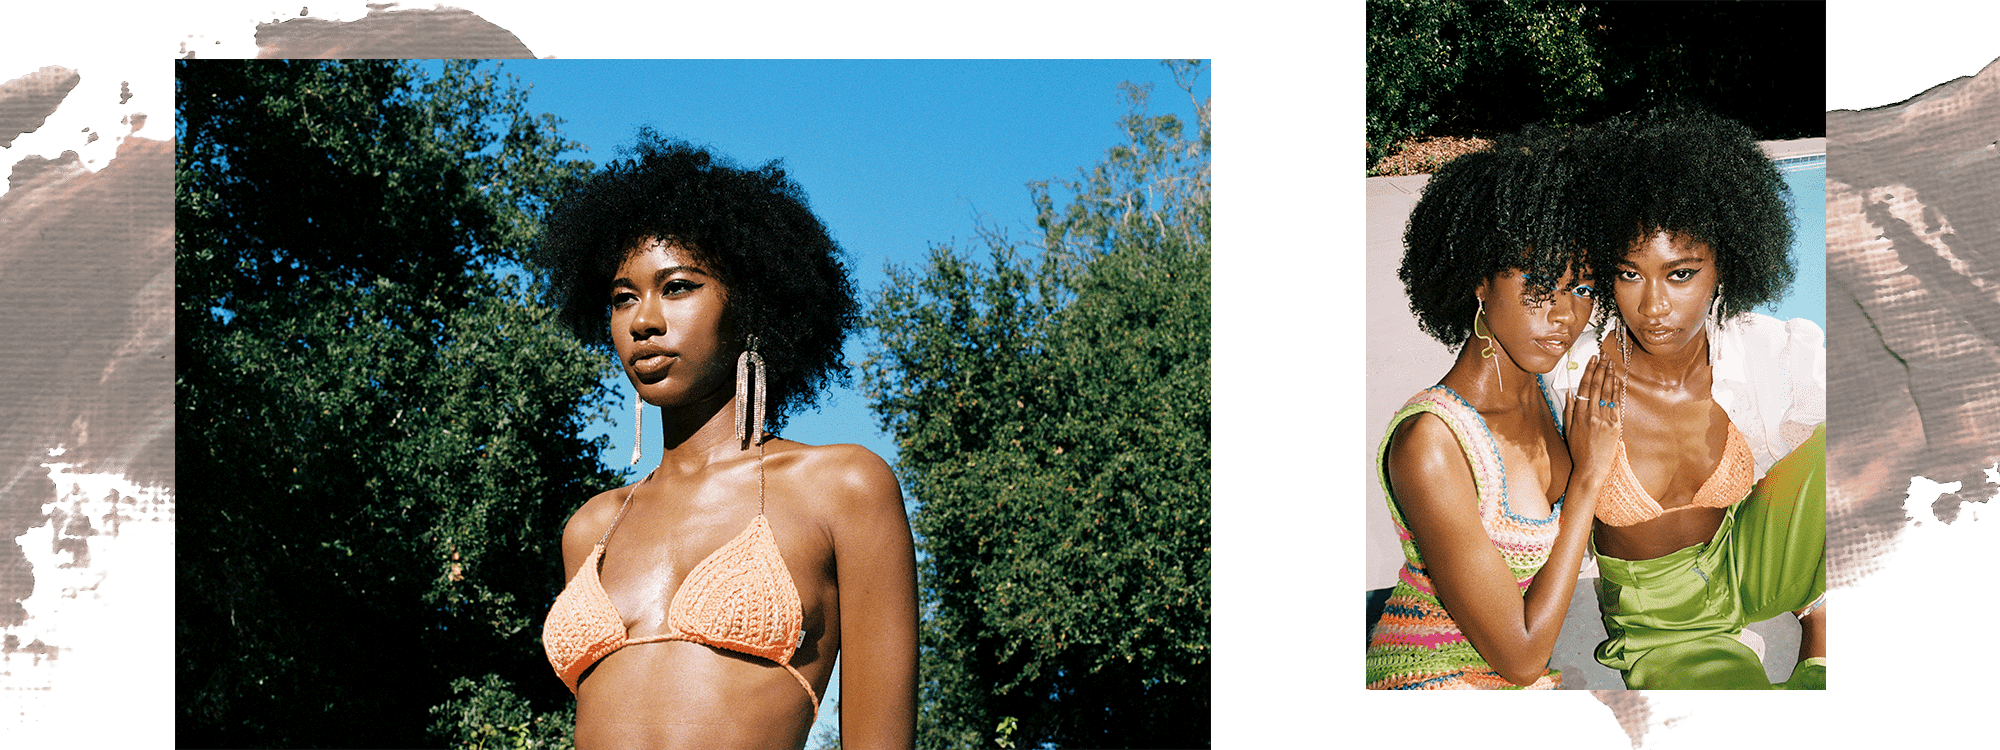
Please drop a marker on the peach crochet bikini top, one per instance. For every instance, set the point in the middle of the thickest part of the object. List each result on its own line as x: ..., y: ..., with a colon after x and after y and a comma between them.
x: 740, y: 598
x: 1624, y: 502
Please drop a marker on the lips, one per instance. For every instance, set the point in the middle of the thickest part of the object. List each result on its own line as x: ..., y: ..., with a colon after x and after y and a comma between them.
x: 1657, y: 335
x: 1557, y: 346
x: 649, y: 362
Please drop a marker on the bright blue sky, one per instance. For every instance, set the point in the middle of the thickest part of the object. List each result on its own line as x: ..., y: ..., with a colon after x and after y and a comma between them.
x: 894, y: 155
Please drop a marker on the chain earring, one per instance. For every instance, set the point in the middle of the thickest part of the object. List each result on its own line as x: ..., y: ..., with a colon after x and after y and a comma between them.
x: 750, y: 418
x: 1714, y: 323
x: 638, y: 422
x: 1487, y: 353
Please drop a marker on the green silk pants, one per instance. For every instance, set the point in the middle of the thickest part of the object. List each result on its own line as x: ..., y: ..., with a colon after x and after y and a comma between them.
x: 1673, y: 621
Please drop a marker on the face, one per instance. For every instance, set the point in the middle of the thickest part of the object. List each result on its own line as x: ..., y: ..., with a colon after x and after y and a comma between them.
x: 1664, y: 288
x: 668, y: 325
x: 1536, y: 332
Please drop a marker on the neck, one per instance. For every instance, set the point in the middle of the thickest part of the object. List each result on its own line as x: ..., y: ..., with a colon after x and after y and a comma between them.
x: 1472, y: 376
x: 699, y: 434
x: 1669, y: 370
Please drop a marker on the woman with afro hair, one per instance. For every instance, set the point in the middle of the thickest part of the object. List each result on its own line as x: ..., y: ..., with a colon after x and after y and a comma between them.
x: 706, y: 603
x: 1490, y: 480
x: 1715, y: 515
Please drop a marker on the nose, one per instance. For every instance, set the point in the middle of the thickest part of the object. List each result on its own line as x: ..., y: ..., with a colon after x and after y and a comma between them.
x: 1564, y: 310
x: 1653, y: 300
x: 648, y: 319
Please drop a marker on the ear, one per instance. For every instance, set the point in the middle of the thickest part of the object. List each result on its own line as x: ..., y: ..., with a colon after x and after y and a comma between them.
x: 1479, y: 292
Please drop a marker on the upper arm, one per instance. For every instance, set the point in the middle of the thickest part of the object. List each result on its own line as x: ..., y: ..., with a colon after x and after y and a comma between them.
x: 1439, y: 502
x: 875, y: 565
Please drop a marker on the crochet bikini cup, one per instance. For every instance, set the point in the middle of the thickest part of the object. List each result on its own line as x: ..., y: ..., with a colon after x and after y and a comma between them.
x: 740, y: 598
x: 1624, y: 502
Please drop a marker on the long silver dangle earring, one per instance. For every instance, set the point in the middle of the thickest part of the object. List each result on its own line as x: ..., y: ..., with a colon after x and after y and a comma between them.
x: 638, y: 422
x: 1487, y: 353
x: 1714, y: 323
x: 1624, y: 354
x: 750, y: 417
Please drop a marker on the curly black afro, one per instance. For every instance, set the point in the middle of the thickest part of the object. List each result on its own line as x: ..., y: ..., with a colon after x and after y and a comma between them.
x: 1515, y: 207
x: 786, y: 283
x: 1685, y: 170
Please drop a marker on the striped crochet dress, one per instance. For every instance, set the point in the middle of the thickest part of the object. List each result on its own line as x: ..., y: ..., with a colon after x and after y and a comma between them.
x: 1416, y: 646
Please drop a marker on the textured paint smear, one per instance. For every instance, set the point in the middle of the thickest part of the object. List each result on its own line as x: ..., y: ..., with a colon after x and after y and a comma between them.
x: 1913, y: 228
x: 1634, y: 714
x: 383, y: 33
x: 86, y: 268
x: 93, y: 525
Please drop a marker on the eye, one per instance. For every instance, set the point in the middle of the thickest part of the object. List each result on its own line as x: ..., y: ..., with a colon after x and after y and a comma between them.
x: 1583, y: 290
x: 1628, y: 275
x: 1683, y: 274
x: 681, y: 286
x: 622, y: 297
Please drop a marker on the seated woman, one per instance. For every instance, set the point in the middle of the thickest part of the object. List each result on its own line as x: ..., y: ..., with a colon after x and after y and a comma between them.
x: 1694, y: 233
x: 1477, y: 469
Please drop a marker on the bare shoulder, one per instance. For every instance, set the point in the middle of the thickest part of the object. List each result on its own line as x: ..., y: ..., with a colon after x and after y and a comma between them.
x: 1424, y: 456
x: 588, y: 523
x: 848, y: 476
x: 596, y: 514
x: 1424, y: 443
x: 849, y: 490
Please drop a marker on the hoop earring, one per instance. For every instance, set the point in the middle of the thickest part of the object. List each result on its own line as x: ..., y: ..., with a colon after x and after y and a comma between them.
x: 638, y: 422
x: 750, y: 418
x: 1487, y: 353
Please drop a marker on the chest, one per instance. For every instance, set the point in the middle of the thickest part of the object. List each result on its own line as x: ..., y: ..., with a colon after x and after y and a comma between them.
x: 1674, y: 442
x: 1535, y: 459
x: 691, y: 550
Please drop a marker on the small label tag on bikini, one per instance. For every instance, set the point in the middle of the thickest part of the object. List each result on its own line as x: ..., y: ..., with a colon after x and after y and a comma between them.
x: 802, y: 639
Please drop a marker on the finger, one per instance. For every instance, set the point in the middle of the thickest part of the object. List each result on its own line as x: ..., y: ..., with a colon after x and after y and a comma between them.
x: 1569, y: 404
x: 1583, y: 379
x: 1594, y: 380
x: 1573, y: 410
x: 1606, y: 393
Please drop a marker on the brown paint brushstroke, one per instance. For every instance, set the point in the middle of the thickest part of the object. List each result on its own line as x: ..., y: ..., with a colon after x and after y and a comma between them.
x: 384, y: 34
x: 27, y: 102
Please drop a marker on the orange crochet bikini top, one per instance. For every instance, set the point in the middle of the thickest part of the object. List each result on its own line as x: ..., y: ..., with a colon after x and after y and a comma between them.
x: 1624, y: 502
x: 739, y: 598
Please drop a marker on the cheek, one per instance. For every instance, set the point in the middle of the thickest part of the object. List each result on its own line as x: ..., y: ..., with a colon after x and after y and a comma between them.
x: 1520, y: 322
x: 1627, y: 298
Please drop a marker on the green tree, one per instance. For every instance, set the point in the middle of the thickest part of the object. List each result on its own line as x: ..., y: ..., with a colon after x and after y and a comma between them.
x: 378, y: 432
x: 1051, y: 420
x: 1413, y: 66
x: 1494, y: 64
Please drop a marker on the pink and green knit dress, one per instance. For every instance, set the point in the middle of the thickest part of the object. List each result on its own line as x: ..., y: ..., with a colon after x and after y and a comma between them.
x: 1416, y: 646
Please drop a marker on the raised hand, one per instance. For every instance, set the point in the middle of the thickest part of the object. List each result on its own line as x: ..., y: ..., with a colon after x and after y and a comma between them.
x: 1594, y: 428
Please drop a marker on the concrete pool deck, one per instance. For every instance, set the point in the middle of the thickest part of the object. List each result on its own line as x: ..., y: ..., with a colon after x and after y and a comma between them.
x: 1403, y: 360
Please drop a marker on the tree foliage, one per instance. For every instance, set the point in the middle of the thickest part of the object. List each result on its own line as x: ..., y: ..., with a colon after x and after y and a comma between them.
x: 378, y: 425
x: 1459, y: 66
x: 1432, y: 59
x: 1050, y: 405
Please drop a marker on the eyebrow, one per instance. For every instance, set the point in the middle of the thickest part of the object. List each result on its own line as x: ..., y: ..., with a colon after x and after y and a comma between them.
x: 1675, y: 263
x: 661, y: 275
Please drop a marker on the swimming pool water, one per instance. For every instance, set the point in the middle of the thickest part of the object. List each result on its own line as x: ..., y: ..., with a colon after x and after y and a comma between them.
x: 1805, y: 177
